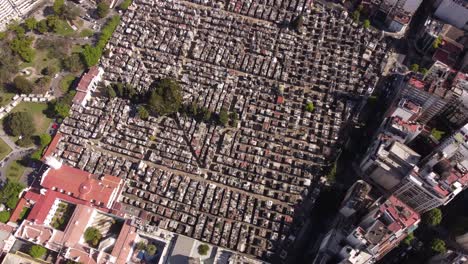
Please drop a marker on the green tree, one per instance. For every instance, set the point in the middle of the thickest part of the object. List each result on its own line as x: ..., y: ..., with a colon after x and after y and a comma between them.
x: 22, y: 85
x: 58, y: 7
x: 125, y: 4
x: 298, y: 23
x: 140, y: 245
x: 10, y: 191
x: 44, y: 139
x: 43, y: 83
x: 309, y: 107
x: 8, y: 63
x: 234, y: 119
x: 22, y: 47
x: 166, y: 97
x: 433, y: 217
x: 73, y: 63
x: 61, y: 109
x: 19, y: 123
x: 92, y: 236
x: 223, y: 117
x: 151, y: 249
x: 4, y: 216
x: 111, y: 92
x: 30, y: 23
x: 356, y: 15
x: 366, y: 23
x: 408, y: 239
x: 70, y: 12
x: 437, y: 42
x: 414, y: 67
x: 50, y: 70
x: 37, y: 251
x: 24, y: 142
x: 53, y: 23
x: 203, y: 249
x: 438, y: 246
x: 102, y: 9
x: 143, y: 113
x: 42, y: 26
x: 424, y: 71
x: 437, y: 134
x: 91, y: 55
x: 331, y: 176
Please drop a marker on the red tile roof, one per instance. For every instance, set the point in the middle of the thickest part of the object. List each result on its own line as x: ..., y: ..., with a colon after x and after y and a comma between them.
x: 416, y: 83
x: 86, y: 79
x: 79, y: 97
x: 52, y: 146
x: 83, y: 185
x: 124, y: 243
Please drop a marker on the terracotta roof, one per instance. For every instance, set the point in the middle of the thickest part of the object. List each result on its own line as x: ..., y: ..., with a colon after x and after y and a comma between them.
x: 82, y: 185
x: 123, y: 245
x: 79, y: 97
x: 86, y: 79
x: 52, y: 146
x: 18, y: 209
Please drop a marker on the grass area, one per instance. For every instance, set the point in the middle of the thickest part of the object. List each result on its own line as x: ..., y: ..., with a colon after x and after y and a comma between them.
x: 66, y: 82
x: 15, y: 170
x: 41, y: 121
x: 63, y: 29
x: 86, y: 33
x: 77, y: 48
x: 4, y: 149
x: 5, y: 98
x: 41, y: 61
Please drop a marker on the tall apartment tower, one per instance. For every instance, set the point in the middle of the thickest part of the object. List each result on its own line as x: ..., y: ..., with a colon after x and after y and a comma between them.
x: 441, y: 176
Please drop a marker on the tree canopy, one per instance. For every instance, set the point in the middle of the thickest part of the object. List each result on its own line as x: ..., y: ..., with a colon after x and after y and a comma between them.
x: 203, y: 249
x: 22, y: 47
x: 438, y: 246
x: 125, y: 4
x: 37, y: 251
x: 58, y: 7
x: 166, y: 97
x: 309, y: 107
x: 223, y: 117
x: 297, y: 23
x: 10, y: 192
x: 4, y: 216
x: 414, y: 67
x: 151, y: 249
x: 143, y: 113
x: 366, y: 23
x: 20, y: 123
x: 92, y: 236
x: 433, y: 217
x: 23, y: 85
x: 102, y: 9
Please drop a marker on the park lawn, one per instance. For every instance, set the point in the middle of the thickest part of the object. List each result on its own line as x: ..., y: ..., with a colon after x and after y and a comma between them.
x: 15, y: 170
x: 41, y: 121
x: 64, y: 29
x: 5, y: 98
x: 41, y: 61
x: 4, y: 149
x: 86, y: 33
x: 66, y: 82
